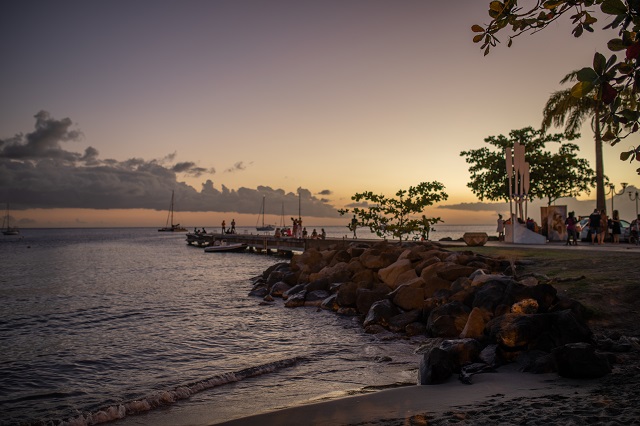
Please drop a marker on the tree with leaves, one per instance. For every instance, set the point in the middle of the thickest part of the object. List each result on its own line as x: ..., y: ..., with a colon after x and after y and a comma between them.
x: 552, y: 175
x: 397, y: 217
x: 607, y: 79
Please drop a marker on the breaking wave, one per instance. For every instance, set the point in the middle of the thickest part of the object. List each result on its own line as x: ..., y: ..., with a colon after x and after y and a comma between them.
x: 167, y: 397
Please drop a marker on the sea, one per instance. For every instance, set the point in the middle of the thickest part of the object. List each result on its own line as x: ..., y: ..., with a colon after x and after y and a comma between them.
x: 130, y: 326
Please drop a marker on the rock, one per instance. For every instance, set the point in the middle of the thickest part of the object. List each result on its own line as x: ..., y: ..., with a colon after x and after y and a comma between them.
x: 467, y: 371
x: 537, y: 362
x: 526, y: 306
x: 380, y: 313
x: 474, y: 328
x: 330, y: 303
x: 293, y: 290
x: 347, y: 294
x: 580, y: 361
x: 448, y: 320
x: 389, y: 275
x: 315, y: 297
x: 399, y: 322
x: 461, y: 352
x: 415, y: 329
x: 409, y: 298
x: 365, y: 298
x: 321, y: 283
x: 435, y: 367
x: 296, y: 300
x: 279, y: 288
x: 259, y: 292
x: 338, y: 272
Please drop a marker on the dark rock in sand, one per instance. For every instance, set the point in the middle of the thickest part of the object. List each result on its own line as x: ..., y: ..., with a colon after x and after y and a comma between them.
x: 279, y: 288
x: 580, y: 361
x: 330, y: 303
x: 315, y: 297
x: 435, y: 367
x: 399, y: 322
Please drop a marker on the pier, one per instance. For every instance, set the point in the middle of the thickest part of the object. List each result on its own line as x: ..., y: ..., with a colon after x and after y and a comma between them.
x: 268, y: 243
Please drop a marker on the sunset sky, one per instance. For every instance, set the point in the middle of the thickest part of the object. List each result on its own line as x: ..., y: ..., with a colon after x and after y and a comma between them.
x: 108, y: 106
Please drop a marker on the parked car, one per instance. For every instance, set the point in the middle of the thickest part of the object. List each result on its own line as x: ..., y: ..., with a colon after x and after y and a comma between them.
x: 625, y: 230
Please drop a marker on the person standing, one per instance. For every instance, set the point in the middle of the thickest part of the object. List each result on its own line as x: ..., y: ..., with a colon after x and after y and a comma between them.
x: 604, y: 226
x: 500, y: 229
x: 594, y: 225
x: 233, y: 226
x: 616, y: 229
x: 571, y: 229
x: 224, y: 226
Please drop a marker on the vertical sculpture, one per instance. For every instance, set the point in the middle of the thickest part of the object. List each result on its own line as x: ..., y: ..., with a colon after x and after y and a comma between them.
x: 518, y: 174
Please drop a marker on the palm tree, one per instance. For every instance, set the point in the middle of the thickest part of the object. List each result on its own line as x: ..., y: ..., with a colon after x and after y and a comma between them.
x: 564, y: 109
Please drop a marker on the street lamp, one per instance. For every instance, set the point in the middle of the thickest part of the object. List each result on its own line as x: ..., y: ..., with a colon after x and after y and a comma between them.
x: 634, y: 198
x: 612, y: 191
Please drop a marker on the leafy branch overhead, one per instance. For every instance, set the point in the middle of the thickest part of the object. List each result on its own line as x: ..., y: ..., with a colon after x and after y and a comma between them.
x: 552, y: 175
x: 613, y: 81
x: 397, y: 217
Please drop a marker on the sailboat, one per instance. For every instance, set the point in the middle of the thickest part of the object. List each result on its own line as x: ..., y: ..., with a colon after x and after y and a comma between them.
x: 7, y: 229
x: 263, y: 227
x: 170, y: 226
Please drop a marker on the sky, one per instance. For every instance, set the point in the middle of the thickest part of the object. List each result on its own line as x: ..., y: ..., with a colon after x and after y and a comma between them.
x: 109, y: 106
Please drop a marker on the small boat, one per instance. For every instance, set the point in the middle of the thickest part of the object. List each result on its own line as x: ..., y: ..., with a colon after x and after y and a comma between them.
x: 7, y: 229
x: 170, y: 226
x: 222, y: 246
x: 263, y: 227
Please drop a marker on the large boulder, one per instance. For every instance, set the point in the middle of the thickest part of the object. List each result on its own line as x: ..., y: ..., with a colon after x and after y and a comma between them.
x: 409, y: 298
x: 435, y: 367
x: 476, y: 322
x: 399, y: 322
x: 346, y: 295
x: 336, y: 273
x: 448, y: 320
x: 390, y: 274
x: 380, y: 313
x: 365, y: 298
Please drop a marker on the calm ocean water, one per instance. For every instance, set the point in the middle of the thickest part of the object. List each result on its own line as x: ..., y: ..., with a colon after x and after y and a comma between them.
x: 97, y: 323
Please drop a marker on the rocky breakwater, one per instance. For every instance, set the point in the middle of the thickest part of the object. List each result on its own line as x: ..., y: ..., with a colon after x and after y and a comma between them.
x: 475, y: 313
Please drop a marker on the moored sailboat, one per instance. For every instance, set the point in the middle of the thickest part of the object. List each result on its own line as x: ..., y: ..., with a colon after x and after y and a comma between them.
x: 263, y: 227
x: 7, y: 229
x: 170, y: 226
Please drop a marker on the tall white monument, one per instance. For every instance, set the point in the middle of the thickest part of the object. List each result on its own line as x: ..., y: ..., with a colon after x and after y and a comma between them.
x: 518, y: 173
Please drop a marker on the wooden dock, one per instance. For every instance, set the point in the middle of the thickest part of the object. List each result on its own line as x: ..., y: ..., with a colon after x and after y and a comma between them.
x: 268, y: 243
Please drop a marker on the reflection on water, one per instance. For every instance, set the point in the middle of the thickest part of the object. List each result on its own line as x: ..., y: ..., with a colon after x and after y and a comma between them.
x: 99, y: 318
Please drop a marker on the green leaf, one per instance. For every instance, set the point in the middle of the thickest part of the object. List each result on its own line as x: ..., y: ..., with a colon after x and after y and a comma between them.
x: 599, y: 63
x: 587, y: 74
x: 477, y: 28
x: 613, y: 7
x: 552, y: 4
x: 496, y: 6
x: 582, y: 88
x: 616, y: 45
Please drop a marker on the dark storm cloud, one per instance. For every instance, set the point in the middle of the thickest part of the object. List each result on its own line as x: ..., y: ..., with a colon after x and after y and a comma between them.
x: 37, y: 172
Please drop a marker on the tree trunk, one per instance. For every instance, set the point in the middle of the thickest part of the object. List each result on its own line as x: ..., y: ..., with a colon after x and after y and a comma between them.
x: 600, y: 197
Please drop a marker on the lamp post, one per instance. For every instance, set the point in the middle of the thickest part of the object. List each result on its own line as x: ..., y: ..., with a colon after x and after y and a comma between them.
x: 634, y: 198
x: 612, y: 191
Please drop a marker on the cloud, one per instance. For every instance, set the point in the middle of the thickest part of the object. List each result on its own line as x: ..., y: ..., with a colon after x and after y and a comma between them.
x: 476, y: 206
x: 325, y: 192
x: 236, y: 167
x: 40, y: 173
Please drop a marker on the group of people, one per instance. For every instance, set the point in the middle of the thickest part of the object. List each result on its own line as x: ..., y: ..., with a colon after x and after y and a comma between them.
x: 299, y: 232
x: 599, y: 225
x: 231, y: 230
